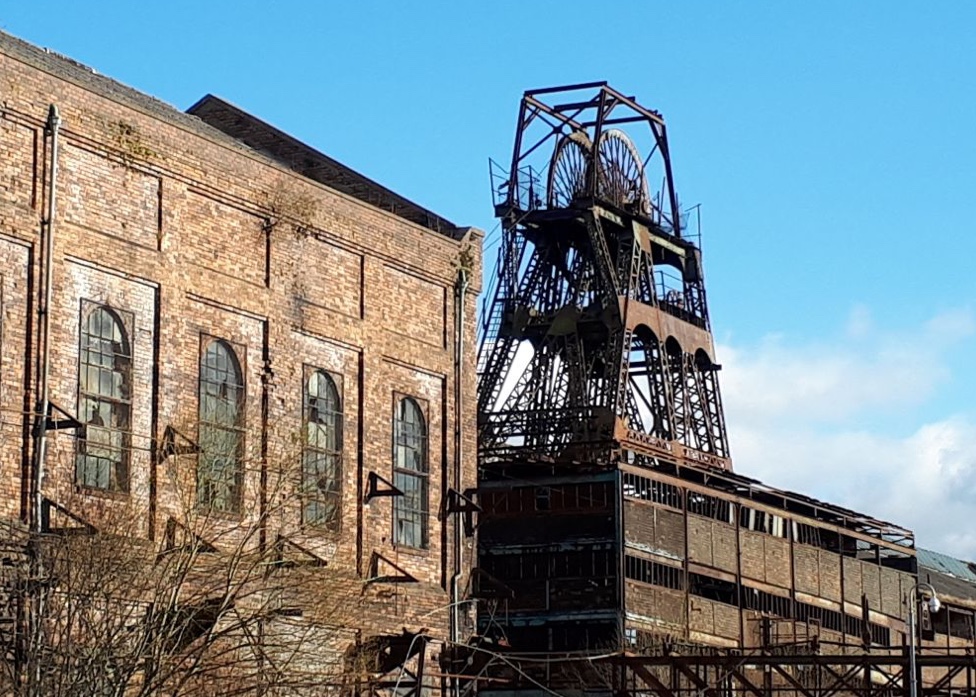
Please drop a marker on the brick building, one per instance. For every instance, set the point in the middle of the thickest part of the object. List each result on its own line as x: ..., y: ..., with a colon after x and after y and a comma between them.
x: 244, y: 335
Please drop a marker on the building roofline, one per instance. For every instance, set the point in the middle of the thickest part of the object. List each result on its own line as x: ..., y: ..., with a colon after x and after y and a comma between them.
x: 313, y: 164
x: 342, y: 179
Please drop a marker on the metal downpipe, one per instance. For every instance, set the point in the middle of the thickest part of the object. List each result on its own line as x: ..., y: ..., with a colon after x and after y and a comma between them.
x: 461, y: 288
x: 44, y: 315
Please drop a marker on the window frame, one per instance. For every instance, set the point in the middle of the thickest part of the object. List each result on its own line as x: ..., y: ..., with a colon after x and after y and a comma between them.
x: 421, y: 475
x: 238, y: 356
x: 125, y: 322
x: 310, y: 494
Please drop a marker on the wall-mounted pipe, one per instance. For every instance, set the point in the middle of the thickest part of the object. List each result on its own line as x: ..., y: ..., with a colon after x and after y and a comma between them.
x: 52, y: 129
x: 460, y: 294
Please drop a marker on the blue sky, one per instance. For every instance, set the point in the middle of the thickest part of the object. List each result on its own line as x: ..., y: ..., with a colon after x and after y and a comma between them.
x: 832, y: 146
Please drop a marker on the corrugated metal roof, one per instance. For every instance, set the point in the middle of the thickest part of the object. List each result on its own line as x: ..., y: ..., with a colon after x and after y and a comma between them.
x: 943, y: 563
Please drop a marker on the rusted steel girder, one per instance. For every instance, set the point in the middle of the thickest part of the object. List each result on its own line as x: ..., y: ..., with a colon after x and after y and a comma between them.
x: 597, y: 333
x: 724, y: 674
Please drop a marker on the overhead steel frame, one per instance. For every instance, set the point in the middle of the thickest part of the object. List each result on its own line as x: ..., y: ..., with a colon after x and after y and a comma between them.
x: 797, y: 671
x: 579, y: 352
x: 874, y: 673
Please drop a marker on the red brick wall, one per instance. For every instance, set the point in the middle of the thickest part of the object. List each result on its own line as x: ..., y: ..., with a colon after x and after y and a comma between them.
x: 164, y: 218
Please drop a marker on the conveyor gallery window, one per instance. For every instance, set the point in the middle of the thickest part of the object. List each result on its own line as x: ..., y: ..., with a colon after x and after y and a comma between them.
x: 713, y: 589
x: 763, y: 521
x: 647, y: 571
x: 814, y: 614
x: 646, y: 489
x: 840, y: 622
x: 767, y: 603
x: 710, y: 507
x: 585, y: 563
x: 555, y: 498
x: 817, y: 537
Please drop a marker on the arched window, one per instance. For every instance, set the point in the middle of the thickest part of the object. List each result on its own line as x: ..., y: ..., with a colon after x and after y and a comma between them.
x: 410, y: 474
x: 219, y: 472
x: 105, y: 401
x: 322, y: 456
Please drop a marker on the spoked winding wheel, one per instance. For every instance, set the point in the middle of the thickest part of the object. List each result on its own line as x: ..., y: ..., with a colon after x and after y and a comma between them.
x: 621, y: 179
x: 567, y: 171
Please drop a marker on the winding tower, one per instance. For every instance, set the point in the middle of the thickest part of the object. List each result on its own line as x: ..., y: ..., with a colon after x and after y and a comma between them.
x: 596, y: 343
x: 595, y: 355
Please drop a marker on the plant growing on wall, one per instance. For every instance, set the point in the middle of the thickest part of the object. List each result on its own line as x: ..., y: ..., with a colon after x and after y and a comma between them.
x: 290, y: 205
x: 127, y: 139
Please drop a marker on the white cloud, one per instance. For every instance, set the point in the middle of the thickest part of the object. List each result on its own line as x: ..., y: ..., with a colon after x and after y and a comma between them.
x: 859, y: 322
x: 794, y: 415
x: 831, y: 380
x: 952, y: 325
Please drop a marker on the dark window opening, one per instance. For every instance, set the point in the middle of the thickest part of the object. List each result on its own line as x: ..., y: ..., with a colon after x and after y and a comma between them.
x: 818, y: 537
x: 960, y: 623
x: 557, y: 498
x: 761, y: 521
x: 710, y: 507
x: 814, y: 614
x: 767, y: 603
x: 543, y: 498
x: 587, y: 564
x: 713, y: 589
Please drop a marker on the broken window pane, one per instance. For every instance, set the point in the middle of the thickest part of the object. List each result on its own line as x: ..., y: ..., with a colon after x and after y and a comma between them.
x: 410, y: 474
x: 221, y: 439
x: 322, y: 464
x: 104, y: 402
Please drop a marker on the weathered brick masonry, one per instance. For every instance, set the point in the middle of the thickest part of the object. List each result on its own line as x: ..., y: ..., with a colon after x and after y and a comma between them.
x: 190, y: 235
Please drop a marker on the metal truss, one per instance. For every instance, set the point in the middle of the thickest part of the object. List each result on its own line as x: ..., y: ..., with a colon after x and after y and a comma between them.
x: 802, y: 671
x: 574, y: 358
x: 875, y: 673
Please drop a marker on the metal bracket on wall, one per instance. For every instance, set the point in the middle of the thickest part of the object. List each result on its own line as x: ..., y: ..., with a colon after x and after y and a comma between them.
x: 175, y: 443
x: 306, y: 556
x: 373, y: 488
x: 66, y: 422
x: 46, y: 506
x: 191, y: 539
x: 396, y: 573
x: 457, y: 502
x: 487, y: 587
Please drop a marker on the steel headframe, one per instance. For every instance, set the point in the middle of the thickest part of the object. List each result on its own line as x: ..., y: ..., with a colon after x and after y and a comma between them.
x: 562, y: 354
x: 544, y: 119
